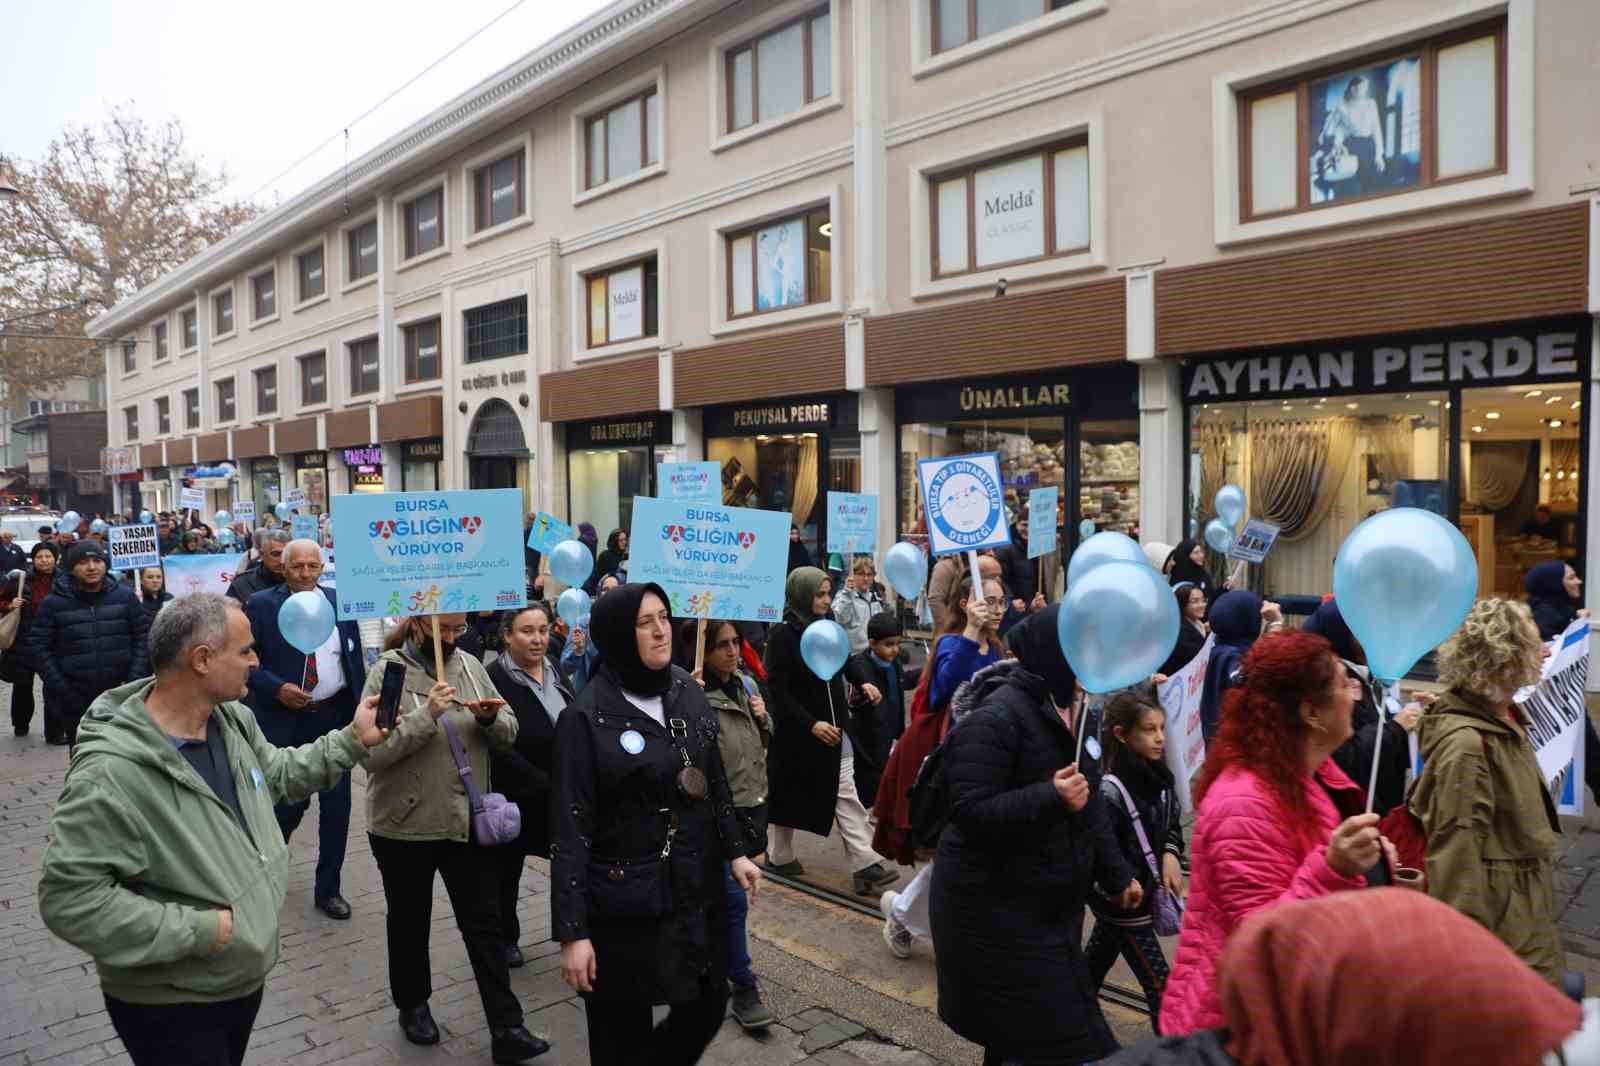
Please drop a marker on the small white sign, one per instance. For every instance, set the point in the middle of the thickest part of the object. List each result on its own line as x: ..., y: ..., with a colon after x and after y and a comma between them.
x: 244, y: 511
x: 191, y: 499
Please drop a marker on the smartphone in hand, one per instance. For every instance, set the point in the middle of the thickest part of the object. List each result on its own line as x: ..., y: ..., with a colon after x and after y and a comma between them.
x: 394, y: 683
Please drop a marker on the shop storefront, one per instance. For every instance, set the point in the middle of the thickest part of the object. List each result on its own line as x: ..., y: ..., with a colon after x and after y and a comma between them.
x: 266, y: 485
x: 365, y: 468
x: 1077, y: 430
x: 419, y: 465
x: 609, y: 462
x: 1481, y: 424
x: 785, y: 455
x: 311, y: 475
x: 219, y: 481
x: 155, y: 495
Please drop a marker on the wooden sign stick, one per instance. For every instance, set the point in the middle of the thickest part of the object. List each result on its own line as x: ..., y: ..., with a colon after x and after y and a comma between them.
x: 438, y: 652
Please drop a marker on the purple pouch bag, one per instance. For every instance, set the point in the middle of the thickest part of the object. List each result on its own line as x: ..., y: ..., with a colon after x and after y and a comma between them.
x: 495, y: 819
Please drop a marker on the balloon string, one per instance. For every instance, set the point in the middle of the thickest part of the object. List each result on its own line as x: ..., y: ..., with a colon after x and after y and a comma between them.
x: 1377, y: 751
x: 827, y: 686
x: 1082, y: 718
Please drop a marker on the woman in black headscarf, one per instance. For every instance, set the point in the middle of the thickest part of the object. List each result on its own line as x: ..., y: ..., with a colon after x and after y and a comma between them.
x: 1188, y: 563
x: 642, y: 823
x: 798, y: 556
x: 1027, y: 837
x: 615, y: 557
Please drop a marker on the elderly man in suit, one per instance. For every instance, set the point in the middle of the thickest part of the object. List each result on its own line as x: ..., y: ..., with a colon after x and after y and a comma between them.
x: 298, y: 698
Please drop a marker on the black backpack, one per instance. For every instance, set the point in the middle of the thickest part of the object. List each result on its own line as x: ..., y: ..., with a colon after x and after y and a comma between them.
x: 930, y: 800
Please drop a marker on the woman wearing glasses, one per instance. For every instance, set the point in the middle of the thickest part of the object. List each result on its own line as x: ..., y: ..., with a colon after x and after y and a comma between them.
x: 858, y: 601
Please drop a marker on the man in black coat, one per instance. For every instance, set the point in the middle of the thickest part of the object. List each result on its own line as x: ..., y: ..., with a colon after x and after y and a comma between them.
x: 267, y: 572
x: 89, y: 636
x: 12, y: 557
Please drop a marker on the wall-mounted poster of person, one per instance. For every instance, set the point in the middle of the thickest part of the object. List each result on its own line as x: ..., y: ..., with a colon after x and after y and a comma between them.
x: 781, y: 264
x: 1366, y: 131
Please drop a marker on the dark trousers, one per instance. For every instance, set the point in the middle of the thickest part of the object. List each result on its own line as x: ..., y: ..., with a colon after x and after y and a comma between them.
x: 1137, y: 944
x: 291, y: 729
x: 472, y: 878
x: 22, y: 699
x: 195, y: 1034
x: 623, y: 1034
x: 739, y: 969
x: 512, y: 862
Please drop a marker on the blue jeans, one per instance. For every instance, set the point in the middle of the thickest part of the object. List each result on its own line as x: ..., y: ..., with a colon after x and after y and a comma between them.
x: 738, y: 945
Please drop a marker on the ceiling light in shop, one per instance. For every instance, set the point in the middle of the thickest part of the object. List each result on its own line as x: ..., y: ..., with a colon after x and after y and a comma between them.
x: 1555, y: 423
x: 1576, y: 404
x: 762, y: 436
x: 1491, y: 414
x: 1547, y: 474
x: 1560, y: 475
x: 1551, y: 400
x: 1477, y: 429
x: 826, y: 229
x: 1433, y: 403
x: 1534, y: 392
x: 1352, y: 405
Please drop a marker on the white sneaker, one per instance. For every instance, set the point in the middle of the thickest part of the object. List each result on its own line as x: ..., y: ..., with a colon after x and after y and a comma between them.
x: 897, y: 936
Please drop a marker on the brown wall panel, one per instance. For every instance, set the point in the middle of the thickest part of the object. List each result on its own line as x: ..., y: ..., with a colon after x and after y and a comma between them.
x: 1033, y: 331
x: 347, y: 429
x: 249, y: 443
x: 419, y: 418
x: 625, y: 387
x: 777, y: 364
x: 150, y: 455
x: 1526, y: 265
x: 211, y: 447
x: 299, y: 435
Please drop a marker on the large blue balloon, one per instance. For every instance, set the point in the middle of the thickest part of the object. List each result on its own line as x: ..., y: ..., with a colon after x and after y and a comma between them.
x: 825, y: 646
x: 907, y: 569
x: 70, y: 522
x: 1230, y: 504
x: 573, y: 605
x: 1404, y: 580
x: 1117, y: 625
x: 306, y: 621
x: 146, y: 518
x: 98, y: 526
x: 1220, y: 536
x: 571, y: 562
x: 1102, y: 548
x: 283, y: 511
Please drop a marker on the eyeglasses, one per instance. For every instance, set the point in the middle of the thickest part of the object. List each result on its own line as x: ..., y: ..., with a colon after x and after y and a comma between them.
x: 452, y: 631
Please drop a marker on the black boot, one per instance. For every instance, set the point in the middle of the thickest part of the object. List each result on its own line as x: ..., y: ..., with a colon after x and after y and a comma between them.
x: 515, y: 1044
x: 417, y: 1024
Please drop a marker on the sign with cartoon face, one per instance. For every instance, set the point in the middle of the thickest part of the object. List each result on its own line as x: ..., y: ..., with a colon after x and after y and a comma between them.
x: 964, y: 501
x: 714, y: 562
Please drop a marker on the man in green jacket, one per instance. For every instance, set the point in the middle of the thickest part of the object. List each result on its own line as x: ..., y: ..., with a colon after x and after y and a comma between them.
x: 165, y: 860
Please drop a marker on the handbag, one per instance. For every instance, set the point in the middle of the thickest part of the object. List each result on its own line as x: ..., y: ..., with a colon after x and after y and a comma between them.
x: 495, y: 819
x: 11, y: 621
x: 1166, y: 910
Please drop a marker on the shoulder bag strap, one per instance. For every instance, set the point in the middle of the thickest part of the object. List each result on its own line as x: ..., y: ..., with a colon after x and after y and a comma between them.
x: 1138, y: 823
x: 462, y: 765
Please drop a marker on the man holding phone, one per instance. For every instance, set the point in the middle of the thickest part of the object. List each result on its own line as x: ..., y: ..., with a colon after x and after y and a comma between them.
x: 298, y: 698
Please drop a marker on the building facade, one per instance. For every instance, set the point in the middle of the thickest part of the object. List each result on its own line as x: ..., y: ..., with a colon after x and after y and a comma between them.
x: 1320, y: 248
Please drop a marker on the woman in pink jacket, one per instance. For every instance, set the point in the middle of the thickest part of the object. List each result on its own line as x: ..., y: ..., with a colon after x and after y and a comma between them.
x: 1279, y: 821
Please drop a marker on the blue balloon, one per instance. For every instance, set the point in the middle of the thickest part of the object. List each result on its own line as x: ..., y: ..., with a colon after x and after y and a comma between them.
x: 1117, y: 625
x: 1194, y: 527
x: 282, y: 511
x: 146, y: 518
x: 1219, y: 536
x: 224, y: 518
x: 1086, y: 528
x: 571, y: 562
x: 97, y: 526
x: 1230, y: 504
x: 573, y: 605
x: 1102, y: 548
x: 306, y: 621
x: 1404, y: 580
x: 907, y: 569
x: 825, y: 646
x: 225, y: 537
x: 70, y: 522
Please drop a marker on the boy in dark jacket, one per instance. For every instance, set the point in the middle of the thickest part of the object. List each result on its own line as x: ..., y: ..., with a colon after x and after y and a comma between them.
x: 879, y: 686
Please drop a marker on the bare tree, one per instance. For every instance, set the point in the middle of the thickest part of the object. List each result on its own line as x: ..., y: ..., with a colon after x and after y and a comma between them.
x: 104, y: 213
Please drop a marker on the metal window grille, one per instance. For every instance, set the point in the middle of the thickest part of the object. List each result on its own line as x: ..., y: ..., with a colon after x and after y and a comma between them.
x: 498, y: 329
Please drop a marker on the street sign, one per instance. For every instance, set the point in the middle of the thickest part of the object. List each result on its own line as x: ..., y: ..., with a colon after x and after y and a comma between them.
x: 964, y: 502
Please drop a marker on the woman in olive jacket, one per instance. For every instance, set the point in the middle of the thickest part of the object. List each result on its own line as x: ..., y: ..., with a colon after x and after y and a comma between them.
x: 642, y: 824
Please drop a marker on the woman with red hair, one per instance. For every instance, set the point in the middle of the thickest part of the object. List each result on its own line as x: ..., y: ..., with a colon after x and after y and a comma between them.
x: 1278, y: 820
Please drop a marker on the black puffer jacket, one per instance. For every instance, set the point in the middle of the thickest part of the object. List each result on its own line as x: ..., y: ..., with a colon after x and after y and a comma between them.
x: 1151, y: 787
x: 83, y: 643
x: 1012, y: 877
x: 252, y: 581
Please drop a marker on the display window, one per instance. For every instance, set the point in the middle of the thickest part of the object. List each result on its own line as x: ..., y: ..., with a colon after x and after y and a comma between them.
x: 609, y: 462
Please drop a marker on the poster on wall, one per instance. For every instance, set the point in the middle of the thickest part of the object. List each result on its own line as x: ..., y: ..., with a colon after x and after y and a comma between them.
x: 1010, y: 211
x: 1365, y: 131
x: 690, y: 482
x: 852, y: 523
x: 781, y: 265
x: 714, y: 562
x: 965, y: 505
x: 625, y: 289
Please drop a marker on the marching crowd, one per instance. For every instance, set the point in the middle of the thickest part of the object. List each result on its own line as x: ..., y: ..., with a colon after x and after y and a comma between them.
x: 659, y: 790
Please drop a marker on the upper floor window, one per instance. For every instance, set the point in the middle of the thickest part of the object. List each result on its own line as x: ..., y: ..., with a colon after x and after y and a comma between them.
x: 780, y: 71
x: 130, y: 356
x: 497, y: 192
x: 267, y: 390
x: 422, y: 351
x: 1024, y: 207
x: 222, y: 313
x: 424, y: 223
x: 361, y: 250
x: 225, y: 400
x: 158, y: 335
x: 622, y: 303
x: 191, y: 408
x: 781, y: 264
x: 163, y: 415
x: 363, y: 366
x: 130, y: 422
x: 1423, y: 115
x: 308, y: 272
x: 497, y: 329
x: 959, y: 22
x: 264, y: 294
x: 313, y: 379
x: 189, y: 325
x: 623, y: 139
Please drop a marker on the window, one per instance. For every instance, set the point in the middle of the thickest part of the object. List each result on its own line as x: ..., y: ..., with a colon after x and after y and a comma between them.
x: 959, y: 22
x: 422, y: 351
x: 424, y: 223
x: 225, y: 405
x: 308, y: 269
x: 1013, y: 210
x: 222, y: 313
x: 158, y: 334
x: 264, y: 294
x: 622, y: 303
x: 191, y: 408
x: 497, y: 329
x: 361, y: 250
x: 781, y: 264
x: 267, y: 390
x: 623, y: 139
x: 163, y: 416
x: 363, y: 366
x: 1405, y: 120
x: 130, y: 422
x: 781, y: 71
x: 313, y: 379
x: 497, y: 192
x: 189, y: 324
x: 130, y: 356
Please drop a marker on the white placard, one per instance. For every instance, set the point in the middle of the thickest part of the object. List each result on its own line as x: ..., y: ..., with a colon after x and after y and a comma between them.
x: 1180, y: 698
x: 191, y: 499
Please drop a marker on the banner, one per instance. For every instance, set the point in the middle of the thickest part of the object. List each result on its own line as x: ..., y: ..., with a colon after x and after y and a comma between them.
x: 964, y: 505
x: 134, y: 547
x: 409, y: 553
x: 303, y: 527
x: 690, y: 482
x: 188, y: 574
x: 1256, y: 540
x: 1555, y: 708
x: 1042, y: 521
x: 191, y: 499
x: 547, y: 531
x: 852, y: 523
x: 1180, y: 698
x: 714, y: 562
x: 244, y: 511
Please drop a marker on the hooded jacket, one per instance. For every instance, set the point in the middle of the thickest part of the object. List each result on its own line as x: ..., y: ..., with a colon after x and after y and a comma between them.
x: 83, y: 643
x: 143, y: 854
x: 1235, y: 623
x: 1553, y: 610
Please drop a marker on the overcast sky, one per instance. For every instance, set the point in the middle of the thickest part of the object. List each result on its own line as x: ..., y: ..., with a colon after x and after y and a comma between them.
x: 257, y: 86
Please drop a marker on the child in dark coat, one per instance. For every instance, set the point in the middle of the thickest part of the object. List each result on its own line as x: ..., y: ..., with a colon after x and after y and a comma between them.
x: 879, y: 687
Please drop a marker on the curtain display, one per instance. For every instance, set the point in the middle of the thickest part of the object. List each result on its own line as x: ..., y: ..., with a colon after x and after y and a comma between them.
x: 1564, y: 471
x: 1498, y: 471
x: 1391, y: 447
x: 805, y: 481
x: 1213, y: 462
x: 1296, y: 468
